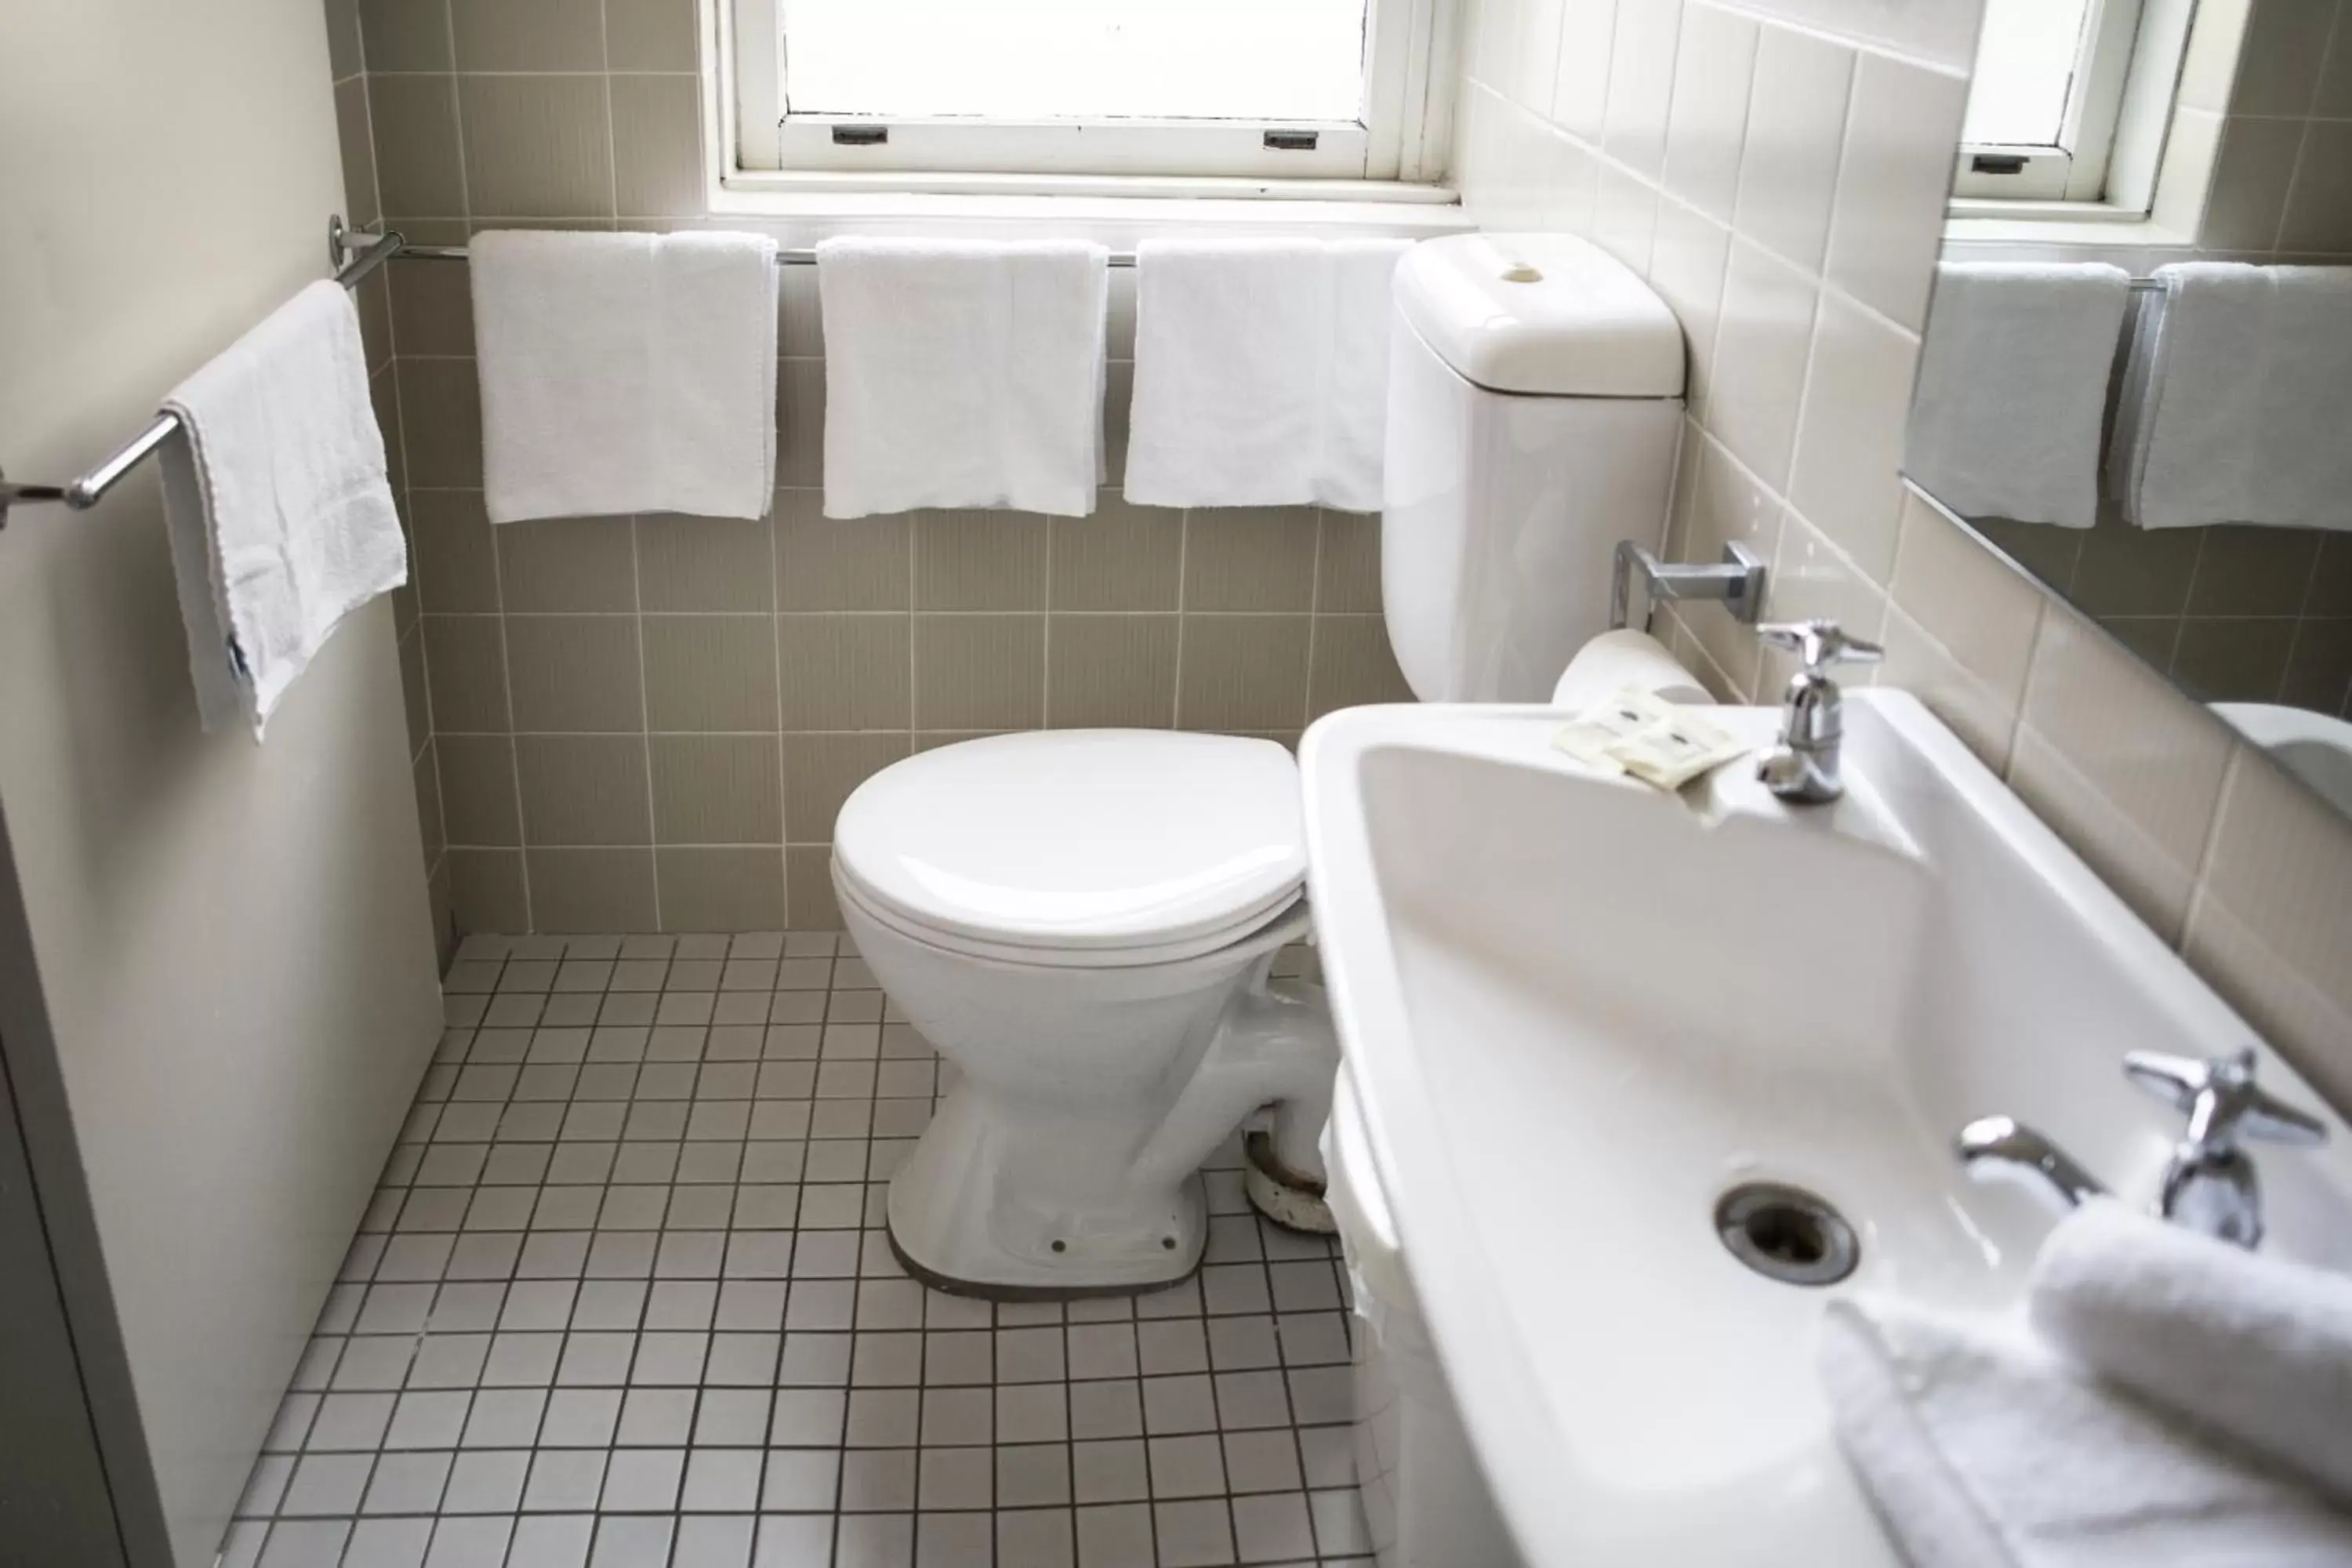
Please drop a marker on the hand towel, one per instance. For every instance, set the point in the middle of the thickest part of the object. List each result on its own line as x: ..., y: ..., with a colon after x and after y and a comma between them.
x: 275, y: 501
x: 1261, y: 373
x: 626, y: 372
x: 2234, y: 399
x: 2013, y: 389
x: 1983, y: 1450
x: 962, y: 374
x: 2257, y: 1348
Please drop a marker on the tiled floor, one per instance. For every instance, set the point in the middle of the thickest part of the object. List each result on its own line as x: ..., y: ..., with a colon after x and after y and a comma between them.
x: 624, y: 1300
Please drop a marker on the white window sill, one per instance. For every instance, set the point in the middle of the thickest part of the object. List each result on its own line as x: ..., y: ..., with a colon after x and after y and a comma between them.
x: 804, y: 208
x: 2075, y: 223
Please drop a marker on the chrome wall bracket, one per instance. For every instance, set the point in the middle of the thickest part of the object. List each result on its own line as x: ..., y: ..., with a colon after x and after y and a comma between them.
x: 1738, y: 583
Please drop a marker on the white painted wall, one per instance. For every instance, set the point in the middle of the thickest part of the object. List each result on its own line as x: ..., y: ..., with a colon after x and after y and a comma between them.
x: 221, y: 993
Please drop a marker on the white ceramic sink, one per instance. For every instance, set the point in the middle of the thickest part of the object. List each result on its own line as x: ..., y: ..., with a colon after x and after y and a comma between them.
x: 1575, y: 1011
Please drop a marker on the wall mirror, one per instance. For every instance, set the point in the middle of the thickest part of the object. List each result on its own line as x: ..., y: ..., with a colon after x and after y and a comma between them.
x: 2136, y: 380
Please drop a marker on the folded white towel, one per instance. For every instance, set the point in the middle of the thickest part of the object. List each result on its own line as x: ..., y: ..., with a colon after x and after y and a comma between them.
x: 275, y: 504
x: 2232, y: 408
x: 2013, y: 389
x: 962, y: 374
x: 2255, y: 1347
x: 1982, y: 1449
x: 1261, y: 373
x: 626, y: 372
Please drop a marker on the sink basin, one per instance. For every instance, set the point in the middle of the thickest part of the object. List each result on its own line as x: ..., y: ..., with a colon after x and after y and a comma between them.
x: 1575, y: 1012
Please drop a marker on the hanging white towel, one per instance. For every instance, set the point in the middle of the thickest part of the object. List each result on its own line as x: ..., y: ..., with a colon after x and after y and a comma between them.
x: 1261, y: 373
x: 626, y: 372
x: 275, y: 501
x: 2013, y: 389
x: 2234, y: 402
x: 1983, y: 1450
x: 962, y: 374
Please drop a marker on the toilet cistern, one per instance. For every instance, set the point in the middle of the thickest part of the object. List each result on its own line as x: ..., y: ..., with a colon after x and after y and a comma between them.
x: 1803, y: 765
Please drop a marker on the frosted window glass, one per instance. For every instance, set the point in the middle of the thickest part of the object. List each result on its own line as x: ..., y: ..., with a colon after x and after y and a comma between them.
x: 2025, y: 68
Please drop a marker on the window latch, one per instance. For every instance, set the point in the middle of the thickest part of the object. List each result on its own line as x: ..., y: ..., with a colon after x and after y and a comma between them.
x: 860, y: 135
x: 1997, y: 164
x: 1292, y: 140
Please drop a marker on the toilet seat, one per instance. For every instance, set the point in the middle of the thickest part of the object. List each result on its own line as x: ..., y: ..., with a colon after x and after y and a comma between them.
x: 1080, y: 848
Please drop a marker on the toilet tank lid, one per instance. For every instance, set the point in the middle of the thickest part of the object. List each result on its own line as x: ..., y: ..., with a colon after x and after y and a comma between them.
x: 1548, y: 314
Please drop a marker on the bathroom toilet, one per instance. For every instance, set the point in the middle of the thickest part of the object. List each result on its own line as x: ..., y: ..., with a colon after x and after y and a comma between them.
x: 1084, y: 922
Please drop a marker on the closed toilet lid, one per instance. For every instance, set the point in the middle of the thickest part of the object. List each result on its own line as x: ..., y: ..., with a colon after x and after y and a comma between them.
x: 1089, y: 839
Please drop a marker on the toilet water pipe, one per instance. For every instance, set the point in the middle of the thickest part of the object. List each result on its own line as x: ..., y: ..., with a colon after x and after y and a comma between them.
x: 1276, y: 1046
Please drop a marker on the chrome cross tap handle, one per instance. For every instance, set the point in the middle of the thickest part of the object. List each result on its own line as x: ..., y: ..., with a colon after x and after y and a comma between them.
x: 1803, y: 764
x: 2212, y: 1185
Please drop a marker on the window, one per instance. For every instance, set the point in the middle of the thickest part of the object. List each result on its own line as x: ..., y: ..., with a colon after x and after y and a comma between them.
x: 2049, y: 96
x: 1244, y: 89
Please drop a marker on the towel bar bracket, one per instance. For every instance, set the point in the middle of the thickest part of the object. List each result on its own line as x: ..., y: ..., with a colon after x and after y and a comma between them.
x: 1738, y: 583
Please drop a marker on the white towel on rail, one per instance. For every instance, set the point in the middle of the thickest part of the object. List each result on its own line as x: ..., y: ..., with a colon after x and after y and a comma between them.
x: 962, y: 374
x: 2014, y: 388
x: 1261, y: 373
x: 626, y: 372
x: 275, y: 504
x: 2233, y: 402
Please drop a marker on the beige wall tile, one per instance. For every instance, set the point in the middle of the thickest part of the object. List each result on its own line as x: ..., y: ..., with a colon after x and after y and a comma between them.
x: 1919, y: 664
x: 455, y: 558
x: 467, y: 660
x: 584, y: 789
x: 1352, y: 665
x: 649, y: 34
x: 419, y: 169
x: 979, y: 561
x: 2210, y: 64
x: 825, y: 564
x: 2319, y: 208
x: 591, y: 889
x: 1850, y: 445
x: 1796, y: 128
x: 1112, y: 671
x: 710, y: 672
x: 1348, y: 565
x: 343, y: 56
x: 1889, y: 219
x: 2232, y: 659
x: 404, y: 35
x: 574, y: 674
x: 477, y: 790
x: 1973, y: 604
x: 1728, y: 505
x: 2254, y: 571
x: 2319, y: 672
x: 1812, y: 579
x: 820, y: 771
x: 717, y: 789
x: 1713, y: 73
x: 574, y: 564
x: 528, y: 34
x: 1688, y: 256
x: 800, y: 424
x: 1122, y: 558
x: 384, y: 393
x: 355, y: 140
x: 712, y: 890
x: 704, y: 563
x: 486, y: 891
x: 2334, y: 99
x: 416, y: 694
x: 657, y: 146
x: 2125, y: 570
x: 2133, y: 773
x: 2251, y: 172
x: 808, y: 883
x: 441, y: 422
x: 1625, y: 217
x: 846, y: 672
x: 799, y: 315
x: 2301, y: 1012
x: 424, y: 773
x: 1243, y: 672
x: 1761, y: 342
x: 2280, y: 57
x: 1642, y: 83
x: 537, y: 146
x: 1250, y: 558
x: 980, y: 672
x: 373, y: 302
x: 433, y: 308
x: 1580, y: 97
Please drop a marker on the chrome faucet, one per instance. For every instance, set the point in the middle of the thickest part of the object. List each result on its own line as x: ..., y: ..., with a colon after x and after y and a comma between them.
x: 2210, y: 1186
x: 1802, y: 765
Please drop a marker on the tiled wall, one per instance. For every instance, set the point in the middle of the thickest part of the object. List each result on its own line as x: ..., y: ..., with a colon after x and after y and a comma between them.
x: 1778, y: 172
x: 643, y: 724
x: 2267, y: 86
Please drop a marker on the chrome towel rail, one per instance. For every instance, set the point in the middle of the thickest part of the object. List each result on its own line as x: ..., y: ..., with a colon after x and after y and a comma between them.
x: 352, y: 262
x: 783, y: 258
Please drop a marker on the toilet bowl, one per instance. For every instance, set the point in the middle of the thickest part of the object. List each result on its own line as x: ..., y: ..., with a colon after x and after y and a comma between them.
x: 1085, y: 923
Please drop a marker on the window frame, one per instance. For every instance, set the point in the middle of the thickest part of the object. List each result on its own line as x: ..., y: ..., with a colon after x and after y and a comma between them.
x: 1404, y: 139
x: 2110, y: 65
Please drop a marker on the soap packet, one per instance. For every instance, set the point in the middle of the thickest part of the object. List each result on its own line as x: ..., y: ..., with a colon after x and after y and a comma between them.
x: 1639, y: 733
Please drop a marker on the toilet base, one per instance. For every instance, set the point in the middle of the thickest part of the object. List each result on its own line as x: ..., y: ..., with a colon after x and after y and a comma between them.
x: 1015, y: 1290
x: 1292, y: 1199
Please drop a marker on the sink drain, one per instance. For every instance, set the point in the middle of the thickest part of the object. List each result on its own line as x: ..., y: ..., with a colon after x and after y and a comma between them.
x: 1786, y: 1234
